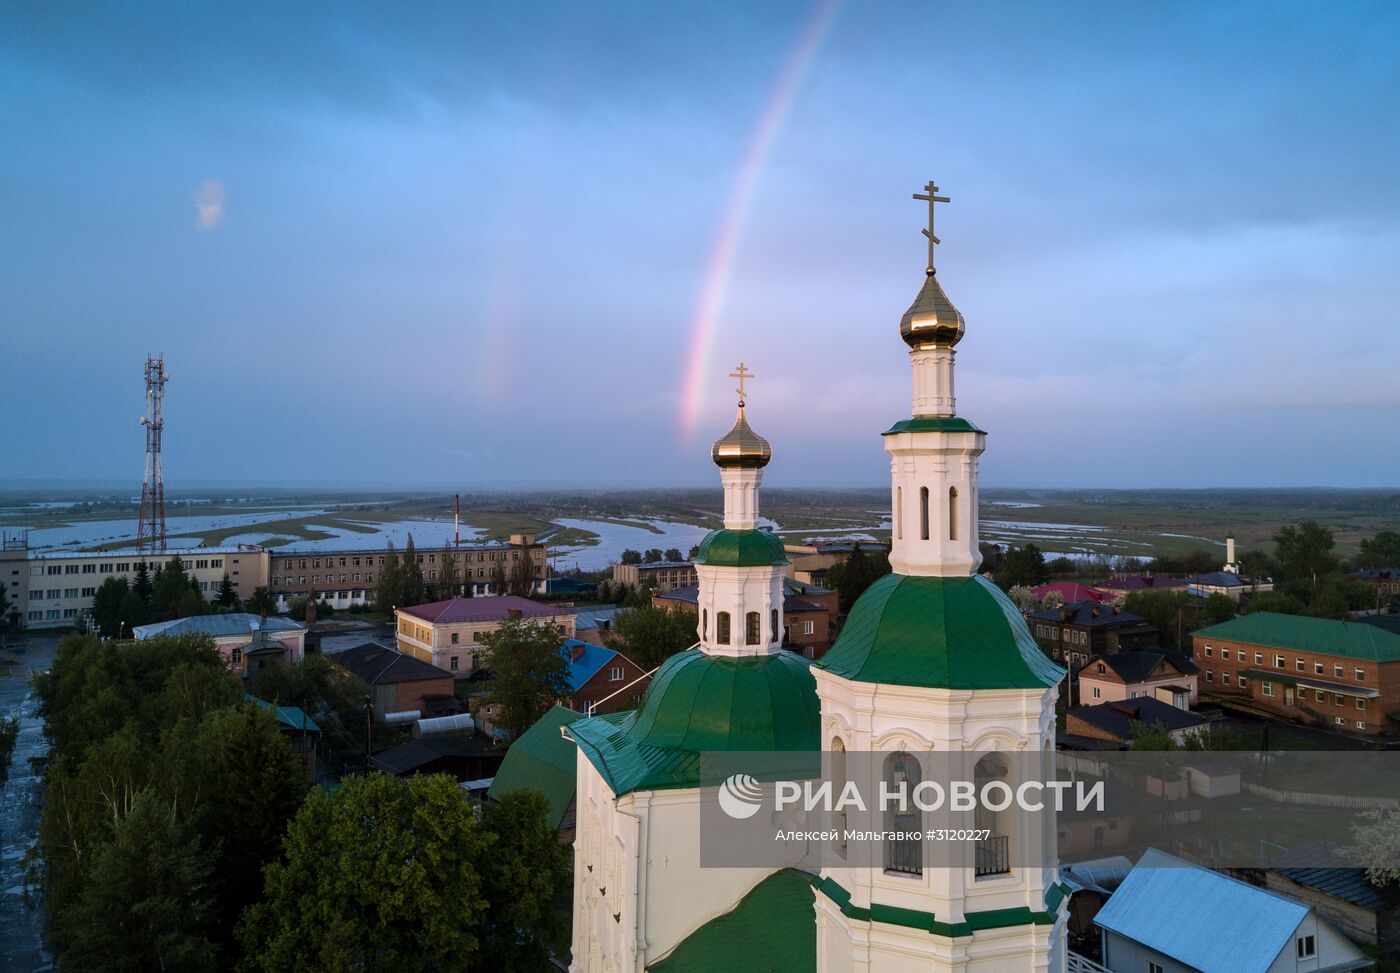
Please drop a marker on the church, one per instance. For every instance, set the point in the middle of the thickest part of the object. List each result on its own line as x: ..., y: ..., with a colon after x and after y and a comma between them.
x: 933, y: 660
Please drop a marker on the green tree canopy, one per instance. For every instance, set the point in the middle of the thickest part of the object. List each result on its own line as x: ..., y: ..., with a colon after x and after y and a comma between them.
x: 852, y: 576
x: 673, y: 554
x: 262, y: 602
x: 145, y: 904
x: 1305, y: 551
x: 649, y: 635
x: 529, y: 673
x: 630, y: 556
x: 1381, y: 551
x: 227, y: 598
x: 386, y: 875
x: 1021, y: 566
x: 652, y: 556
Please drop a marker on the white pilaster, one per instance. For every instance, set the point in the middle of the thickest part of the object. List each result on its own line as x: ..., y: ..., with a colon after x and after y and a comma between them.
x: 933, y: 380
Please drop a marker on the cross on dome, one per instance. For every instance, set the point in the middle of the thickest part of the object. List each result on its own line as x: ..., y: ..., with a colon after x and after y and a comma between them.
x: 742, y: 374
x: 930, y: 194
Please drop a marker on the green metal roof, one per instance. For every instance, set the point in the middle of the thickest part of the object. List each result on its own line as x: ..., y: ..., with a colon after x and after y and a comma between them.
x: 544, y: 760
x: 741, y: 548
x: 948, y: 633
x: 932, y: 424
x: 772, y: 930
x: 698, y: 702
x: 1302, y: 633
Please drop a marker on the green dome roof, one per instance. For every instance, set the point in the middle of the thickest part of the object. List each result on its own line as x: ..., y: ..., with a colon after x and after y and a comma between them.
x: 946, y: 633
x: 699, y: 702
x: 741, y: 548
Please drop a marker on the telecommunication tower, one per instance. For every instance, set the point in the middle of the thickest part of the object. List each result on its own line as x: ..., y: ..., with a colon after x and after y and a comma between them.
x: 150, y: 533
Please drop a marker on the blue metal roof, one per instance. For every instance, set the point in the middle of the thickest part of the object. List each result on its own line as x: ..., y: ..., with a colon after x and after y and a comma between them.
x: 590, y: 659
x: 220, y: 625
x: 591, y: 618
x: 1199, y: 917
x: 292, y: 717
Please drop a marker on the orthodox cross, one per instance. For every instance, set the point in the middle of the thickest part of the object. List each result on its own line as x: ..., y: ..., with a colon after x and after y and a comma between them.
x: 742, y: 374
x: 930, y: 194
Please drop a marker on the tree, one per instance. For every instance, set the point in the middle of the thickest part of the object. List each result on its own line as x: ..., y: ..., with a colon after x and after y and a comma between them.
x: 630, y: 556
x: 448, y: 583
x: 529, y: 672
x: 172, y: 594
x: 1273, y: 601
x: 1021, y: 566
x: 9, y: 733
x: 254, y: 780
x: 649, y: 635
x: 673, y: 554
x: 652, y: 556
x: 388, y: 590
x: 524, y: 873
x: 1218, y: 608
x: 411, y: 581
x: 1305, y: 551
x: 227, y: 598
x: 142, y: 585
x: 852, y: 576
x: 386, y: 874
x: 522, y: 576
x: 500, y: 584
x: 1381, y: 551
x: 1378, y: 845
x: 1060, y: 566
x: 262, y: 602
x: 116, y: 609
x: 1170, y: 612
x: 145, y: 904
x: 694, y: 552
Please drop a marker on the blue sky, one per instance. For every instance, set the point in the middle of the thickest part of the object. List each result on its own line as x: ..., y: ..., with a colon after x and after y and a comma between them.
x: 465, y: 244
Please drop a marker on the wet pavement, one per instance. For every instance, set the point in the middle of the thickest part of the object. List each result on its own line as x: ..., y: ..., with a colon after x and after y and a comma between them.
x: 22, y: 948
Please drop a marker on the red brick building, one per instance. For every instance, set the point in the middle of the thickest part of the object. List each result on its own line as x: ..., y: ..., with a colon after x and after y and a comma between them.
x: 1344, y: 675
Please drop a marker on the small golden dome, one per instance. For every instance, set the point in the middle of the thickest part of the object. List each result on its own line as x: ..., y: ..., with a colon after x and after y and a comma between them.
x: 741, y: 447
x: 931, y: 319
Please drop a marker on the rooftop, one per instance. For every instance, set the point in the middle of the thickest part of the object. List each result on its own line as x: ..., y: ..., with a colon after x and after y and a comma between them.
x: 1091, y: 614
x: 151, y: 556
x: 380, y: 666
x: 1201, y: 918
x: 1137, y: 666
x: 411, y: 755
x: 771, y: 928
x: 290, y: 717
x: 1140, y: 582
x: 222, y: 625
x: 1118, y: 717
x: 1322, y: 636
x: 543, y: 759
x: 1071, y: 592
x: 495, y: 608
x: 585, y: 659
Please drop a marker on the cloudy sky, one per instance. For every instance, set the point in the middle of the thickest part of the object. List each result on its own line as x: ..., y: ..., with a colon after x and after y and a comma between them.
x: 490, y: 243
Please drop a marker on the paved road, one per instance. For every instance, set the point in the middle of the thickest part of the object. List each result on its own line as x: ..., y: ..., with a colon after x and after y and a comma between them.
x: 22, y: 947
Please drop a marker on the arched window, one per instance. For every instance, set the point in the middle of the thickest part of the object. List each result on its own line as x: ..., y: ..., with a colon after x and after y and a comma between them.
x: 236, y: 656
x: 838, y: 787
x: 904, y: 856
x: 722, y: 628
x: 899, y: 512
x: 776, y: 634
x: 704, y: 624
x: 752, y: 624
x: 923, y: 513
x: 993, y: 853
x: 952, y: 513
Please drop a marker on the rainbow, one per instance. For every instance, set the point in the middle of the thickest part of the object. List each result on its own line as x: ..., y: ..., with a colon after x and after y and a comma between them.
x: 720, y: 267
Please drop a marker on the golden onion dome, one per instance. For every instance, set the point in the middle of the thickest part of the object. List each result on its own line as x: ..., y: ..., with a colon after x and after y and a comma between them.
x: 741, y: 447
x: 931, y: 319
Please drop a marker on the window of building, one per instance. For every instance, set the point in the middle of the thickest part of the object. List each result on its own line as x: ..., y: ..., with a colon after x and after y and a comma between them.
x: 236, y: 656
x: 1225, y: 653
x: 55, y: 592
x: 452, y: 661
x: 899, y: 512
x: 773, y: 626
x: 952, y: 513
x: 1210, y: 675
x: 1340, y: 720
x: 1258, y: 658
x: 216, y: 562
x: 51, y: 615
x: 1340, y: 699
x: 1301, y: 665
x: 615, y: 674
x: 70, y: 569
x: 1360, y: 703
x: 1320, y: 695
x: 36, y: 616
x: 809, y: 628
x: 1337, y: 671
x: 89, y: 592
x: 752, y: 628
x: 55, y: 569
x: 1267, y: 689
x: 89, y: 569
x: 70, y: 613
x: 1097, y: 693
x: 1279, y: 662
x: 70, y: 592
x: 476, y: 636
x: 455, y: 636
x: 1307, y: 947
x: 1154, y: 967
x: 1224, y: 679
x: 1318, y: 668
x: 1209, y: 653
x: 923, y: 513
x: 1360, y: 675
x: 1361, y: 724
x: 1244, y: 681
x: 722, y: 628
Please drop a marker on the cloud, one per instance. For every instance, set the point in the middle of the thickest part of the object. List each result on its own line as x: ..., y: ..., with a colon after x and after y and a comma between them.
x: 209, y: 203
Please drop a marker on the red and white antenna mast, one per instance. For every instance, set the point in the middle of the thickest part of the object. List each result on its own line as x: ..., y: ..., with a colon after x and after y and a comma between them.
x: 150, y: 533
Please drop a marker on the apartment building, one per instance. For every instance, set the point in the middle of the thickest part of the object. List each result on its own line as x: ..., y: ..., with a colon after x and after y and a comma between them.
x: 346, y: 578
x: 55, y: 588
x: 448, y: 633
x: 662, y: 576
x: 1344, y: 675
